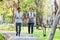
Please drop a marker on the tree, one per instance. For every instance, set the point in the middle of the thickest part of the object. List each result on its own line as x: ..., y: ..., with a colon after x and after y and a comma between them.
x: 13, y: 7
x: 1, y: 0
x: 39, y: 12
x: 10, y: 5
x: 55, y: 22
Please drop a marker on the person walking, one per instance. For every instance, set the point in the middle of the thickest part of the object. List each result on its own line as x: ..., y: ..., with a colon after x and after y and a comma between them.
x: 30, y: 17
x: 18, y: 20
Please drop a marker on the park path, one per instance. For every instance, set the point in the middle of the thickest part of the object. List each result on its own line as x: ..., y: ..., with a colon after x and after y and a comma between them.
x: 22, y: 36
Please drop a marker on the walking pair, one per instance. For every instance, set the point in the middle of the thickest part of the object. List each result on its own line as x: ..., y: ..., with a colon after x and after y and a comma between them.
x: 19, y: 19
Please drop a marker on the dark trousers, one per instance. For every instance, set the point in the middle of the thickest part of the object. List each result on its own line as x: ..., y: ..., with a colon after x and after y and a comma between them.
x: 30, y: 27
x: 18, y: 29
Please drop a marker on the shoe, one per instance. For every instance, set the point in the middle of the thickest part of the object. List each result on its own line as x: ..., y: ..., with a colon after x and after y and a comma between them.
x: 44, y: 35
x: 16, y: 33
x: 31, y: 35
x: 19, y: 35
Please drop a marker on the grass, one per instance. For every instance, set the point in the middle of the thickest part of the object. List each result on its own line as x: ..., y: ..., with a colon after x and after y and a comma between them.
x: 38, y: 33
x: 1, y: 37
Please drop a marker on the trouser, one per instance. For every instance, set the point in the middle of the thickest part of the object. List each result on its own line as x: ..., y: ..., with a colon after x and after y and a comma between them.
x: 30, y: 28
x: 18, y: 29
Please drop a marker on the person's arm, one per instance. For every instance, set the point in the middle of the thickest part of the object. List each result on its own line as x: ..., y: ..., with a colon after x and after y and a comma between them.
x: 27, y: 17
x: 22, y: 16
x: 33, y: 16
x: 14, y: 16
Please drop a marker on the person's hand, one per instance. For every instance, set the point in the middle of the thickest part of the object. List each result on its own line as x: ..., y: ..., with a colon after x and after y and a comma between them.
x: 21, y: 18
x: 31, y: 17
x: 17, y: 17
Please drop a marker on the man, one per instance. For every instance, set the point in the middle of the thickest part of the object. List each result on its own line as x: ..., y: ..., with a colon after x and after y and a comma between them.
x: 30, y: 16
x: 18, y: 20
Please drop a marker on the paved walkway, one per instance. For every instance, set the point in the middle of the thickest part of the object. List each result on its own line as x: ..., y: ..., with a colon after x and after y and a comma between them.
x: 22, y: 37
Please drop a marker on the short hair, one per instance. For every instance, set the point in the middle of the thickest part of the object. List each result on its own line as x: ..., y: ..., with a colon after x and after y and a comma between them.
x: 30, y: 8
x: 18, y: 8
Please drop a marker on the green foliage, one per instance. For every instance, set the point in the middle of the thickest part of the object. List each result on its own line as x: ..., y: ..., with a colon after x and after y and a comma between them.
x: 1, y: 0
x: 39, y: 33
x: 24, y: 4
x: 1, y: 9
x: 7, y: 27
x: 1, y: 37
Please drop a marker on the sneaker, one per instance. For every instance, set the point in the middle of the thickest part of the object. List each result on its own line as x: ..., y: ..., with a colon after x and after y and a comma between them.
x: 19, y: 35
x: 31, y: 35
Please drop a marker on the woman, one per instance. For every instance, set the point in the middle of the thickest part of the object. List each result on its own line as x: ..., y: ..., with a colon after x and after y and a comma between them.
x: 30, y: 16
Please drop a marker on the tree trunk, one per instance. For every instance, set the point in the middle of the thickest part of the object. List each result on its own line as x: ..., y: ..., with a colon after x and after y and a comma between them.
x: 12, y: 17
x: 53, y: 29
x: 4, y: 15
x: 55, y: 22
x: 36, y: 2
x: 37, y: 14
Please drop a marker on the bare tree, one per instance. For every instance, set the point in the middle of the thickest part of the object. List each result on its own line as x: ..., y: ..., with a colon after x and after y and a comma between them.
x: 55, y: 22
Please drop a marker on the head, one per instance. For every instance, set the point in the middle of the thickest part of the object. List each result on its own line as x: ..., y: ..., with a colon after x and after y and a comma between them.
x: 30, y: 9
x: 19, y: 9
